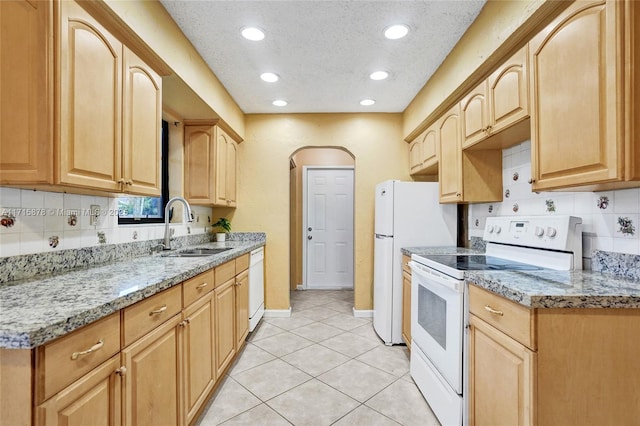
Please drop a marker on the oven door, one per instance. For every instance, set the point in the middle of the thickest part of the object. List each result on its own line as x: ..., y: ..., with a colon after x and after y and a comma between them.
x: 437, y: 316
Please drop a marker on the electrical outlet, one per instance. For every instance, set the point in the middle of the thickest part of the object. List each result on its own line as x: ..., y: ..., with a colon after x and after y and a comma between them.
x: 94, y: 214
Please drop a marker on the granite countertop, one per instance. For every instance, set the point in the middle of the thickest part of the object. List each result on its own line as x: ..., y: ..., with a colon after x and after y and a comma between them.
x: 37, y: 310
x: 555, y: 289
x: 560, y: 289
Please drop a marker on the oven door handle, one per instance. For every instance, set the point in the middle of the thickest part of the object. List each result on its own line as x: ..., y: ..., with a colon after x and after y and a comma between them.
x: 432, y: 276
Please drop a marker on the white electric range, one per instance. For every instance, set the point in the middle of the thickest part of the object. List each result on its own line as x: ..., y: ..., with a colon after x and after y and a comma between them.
x: 439, y: 299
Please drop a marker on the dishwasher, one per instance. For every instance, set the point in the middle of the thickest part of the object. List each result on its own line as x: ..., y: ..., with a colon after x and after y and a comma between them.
x: 256, y: 287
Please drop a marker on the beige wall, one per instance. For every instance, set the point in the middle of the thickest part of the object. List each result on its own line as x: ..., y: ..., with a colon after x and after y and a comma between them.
x: 496, y: 24
x: 151, y: 22
x: 263, y: 184
x: 307, y: 157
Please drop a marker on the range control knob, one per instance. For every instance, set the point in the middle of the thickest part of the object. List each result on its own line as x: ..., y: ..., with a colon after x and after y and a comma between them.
x: 539, y: 231
x: 551, y: 232
x: 498, y: 229
x: 490, y: 229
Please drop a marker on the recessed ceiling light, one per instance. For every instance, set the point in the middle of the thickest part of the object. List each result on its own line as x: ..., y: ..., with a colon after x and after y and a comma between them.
x: 280, y: 103
x: 378, y: 75
x: 395, y: 32
x: 252, y: 33
x: 269, y: 77
x: 367, y: 102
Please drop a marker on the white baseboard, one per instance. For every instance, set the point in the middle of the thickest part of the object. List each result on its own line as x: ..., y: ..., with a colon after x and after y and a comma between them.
x: 277, y: 313
x: 299, y: 287
x: 362, y: 313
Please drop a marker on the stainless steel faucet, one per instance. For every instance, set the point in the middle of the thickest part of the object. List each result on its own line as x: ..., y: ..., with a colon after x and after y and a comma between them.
x: 167, y: 237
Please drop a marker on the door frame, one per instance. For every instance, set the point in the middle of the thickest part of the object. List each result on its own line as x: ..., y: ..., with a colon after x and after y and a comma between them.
x: 305, y: 170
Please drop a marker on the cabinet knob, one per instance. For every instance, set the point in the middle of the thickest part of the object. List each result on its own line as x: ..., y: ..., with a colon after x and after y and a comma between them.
x: 121, y: 181
x: 532, y: 180
x: 122, y: 371
x: 458, y: 194
x: 129, y: 182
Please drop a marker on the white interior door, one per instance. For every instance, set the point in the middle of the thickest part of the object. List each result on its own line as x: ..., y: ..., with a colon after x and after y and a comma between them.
x: 328, y: 229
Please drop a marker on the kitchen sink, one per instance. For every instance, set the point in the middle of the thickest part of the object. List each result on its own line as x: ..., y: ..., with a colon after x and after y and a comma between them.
x: 198, y: 252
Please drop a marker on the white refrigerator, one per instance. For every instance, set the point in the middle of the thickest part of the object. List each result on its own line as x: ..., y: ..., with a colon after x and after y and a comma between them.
x: 407, y: 214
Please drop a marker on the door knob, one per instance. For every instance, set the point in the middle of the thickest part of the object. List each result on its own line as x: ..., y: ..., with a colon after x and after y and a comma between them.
x: 309, y: 229
x: 309, y: 237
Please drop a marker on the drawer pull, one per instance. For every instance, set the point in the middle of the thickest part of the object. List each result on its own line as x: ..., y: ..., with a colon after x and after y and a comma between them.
x: 92, y: 349
x: 158, y: 311
x: 493, y: 311
x: 201, y: 286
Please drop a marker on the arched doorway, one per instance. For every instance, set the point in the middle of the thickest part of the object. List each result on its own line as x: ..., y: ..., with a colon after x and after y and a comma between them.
x: 302, y: 160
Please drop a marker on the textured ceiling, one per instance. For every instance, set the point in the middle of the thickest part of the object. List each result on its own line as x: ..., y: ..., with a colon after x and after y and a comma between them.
x: 323, y: 51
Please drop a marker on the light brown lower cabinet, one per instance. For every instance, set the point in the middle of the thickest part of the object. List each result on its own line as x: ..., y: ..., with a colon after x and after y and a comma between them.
x: 406, y: 301
x: 151, y: 391
x: 92, y: 400
x: 501, y: 378
x: 551, y: 366
x: 199, y: 351
x: 242, y: 307
x: 169, y: 363
x: 225, y: 324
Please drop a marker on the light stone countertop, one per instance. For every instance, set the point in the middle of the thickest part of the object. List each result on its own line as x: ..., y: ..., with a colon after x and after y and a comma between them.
x: 37, y: 310
x: 552, y: 289
x: 560, y: 289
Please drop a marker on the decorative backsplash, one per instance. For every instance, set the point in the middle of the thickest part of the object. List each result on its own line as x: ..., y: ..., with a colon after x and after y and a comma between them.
x: 610, y: 219
x: 38, y: 221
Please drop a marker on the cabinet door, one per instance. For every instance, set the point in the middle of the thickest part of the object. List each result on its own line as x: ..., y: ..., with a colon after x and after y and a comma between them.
x: 92, y: 400
x: 225, y: 313
x: 508, y: 88
x: 151, y: 385
x: 415, y: 155
x: 430, y: 150
x: 475, y: 115
x: 406, y: 308
x: 242, y: 308
x: 232, y: 171
x: 450, y: 168
x: 26, y: 98
x: 142, y: 127
x: 576, y: 112
x: 222, y: 142
x: 90, y: 102
x: 501, y: 378
x: 198, y: 158
x: 199, y: 354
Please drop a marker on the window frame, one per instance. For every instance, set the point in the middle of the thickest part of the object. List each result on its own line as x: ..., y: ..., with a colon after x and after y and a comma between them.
x: 164, y: 184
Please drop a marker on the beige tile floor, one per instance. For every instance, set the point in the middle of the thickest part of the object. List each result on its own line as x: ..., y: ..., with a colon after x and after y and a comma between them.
x: 321, y: 366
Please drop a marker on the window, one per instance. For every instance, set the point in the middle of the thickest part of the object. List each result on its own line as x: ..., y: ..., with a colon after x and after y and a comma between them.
x: 138, y: 210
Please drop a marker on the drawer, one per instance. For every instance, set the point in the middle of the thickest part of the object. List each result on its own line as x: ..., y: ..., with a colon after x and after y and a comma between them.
x: 64, y: 360
x: 197, y: 286
x: 225, y: 272
x: 147, y: 314
x: 405, y: 264
x: 242, y: 263
x: 516, y: 321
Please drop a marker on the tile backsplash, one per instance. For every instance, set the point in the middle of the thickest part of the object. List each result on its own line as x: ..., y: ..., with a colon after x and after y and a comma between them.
x: 38, y: 221
x: 610, y: 219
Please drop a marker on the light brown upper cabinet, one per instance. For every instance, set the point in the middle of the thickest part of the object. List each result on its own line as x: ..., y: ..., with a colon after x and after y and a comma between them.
x: 584, y: 115
x: 108, y: 107
x: 26, y: 95
x: 209, y: 165
x: 226, y: 153
x: 110, y: 110
x: 423, y: 153
x: 498, y: 108
x: 466, y: 176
